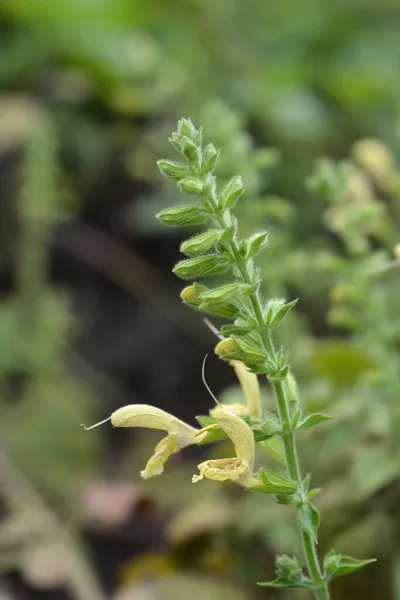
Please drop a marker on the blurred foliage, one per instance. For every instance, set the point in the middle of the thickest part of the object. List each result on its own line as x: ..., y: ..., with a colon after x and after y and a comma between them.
x: 89, y: 90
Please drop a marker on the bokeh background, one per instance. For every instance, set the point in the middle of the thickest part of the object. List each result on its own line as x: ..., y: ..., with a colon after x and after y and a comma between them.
x: 303, y: 100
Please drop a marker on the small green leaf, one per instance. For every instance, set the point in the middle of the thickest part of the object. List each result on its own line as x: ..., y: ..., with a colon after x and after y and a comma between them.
x: 313, y: 419
x: 281, y: 583
x: 282, y: 312
x: 179, y: 216
x: 231, y: 193
x: 255, y: 243
x: 337, y: 565
x: 308, y: 518
x: 312, y: 493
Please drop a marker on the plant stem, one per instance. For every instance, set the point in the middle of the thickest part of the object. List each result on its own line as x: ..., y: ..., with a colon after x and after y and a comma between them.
x: 292, y: 461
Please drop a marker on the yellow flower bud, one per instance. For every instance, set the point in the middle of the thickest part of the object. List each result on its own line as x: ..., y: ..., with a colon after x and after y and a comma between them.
x: 189, y: 294
x: 225, y: 348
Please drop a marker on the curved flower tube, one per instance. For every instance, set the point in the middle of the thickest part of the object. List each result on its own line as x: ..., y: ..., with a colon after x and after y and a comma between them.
x: 180, y: 434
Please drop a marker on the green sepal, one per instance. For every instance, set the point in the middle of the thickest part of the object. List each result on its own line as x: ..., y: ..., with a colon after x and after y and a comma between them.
x: 191, y: 152
x: 226, y: 292
x: 226, y: 310
x: 214, y: 435
x: 313, y: 419
x: 201, y: 266
x: 337, y: 565
x: 172, y: 169
x: 248, y: 352
x: 203, y: 242
x: 228, y: 330
x: 179, y: 216
x: 191, y: 185
x: 272, y: 483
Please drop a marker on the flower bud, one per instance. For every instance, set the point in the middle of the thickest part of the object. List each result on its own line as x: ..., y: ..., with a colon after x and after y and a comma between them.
x: 225, y: 348
x: 227, y: 310
x: 201, y: 243
x: 177, y: 141
x: 210, y: 157
x: 186, y: 128
x: 192, y: 152
x: 189, y: 295
x: 191, y: 185
x: 172, y: 169
x: 231, y: 193
x: 182, y: 215
x: 200, y: 266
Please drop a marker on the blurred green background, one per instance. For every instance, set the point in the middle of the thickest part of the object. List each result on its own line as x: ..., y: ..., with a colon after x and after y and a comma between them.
x: 303, y: 100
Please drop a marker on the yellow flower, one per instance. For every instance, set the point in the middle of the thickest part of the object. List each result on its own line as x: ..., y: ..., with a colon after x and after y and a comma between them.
x: 179, y: 436
x: 251, y: 390
x: 240, y: 467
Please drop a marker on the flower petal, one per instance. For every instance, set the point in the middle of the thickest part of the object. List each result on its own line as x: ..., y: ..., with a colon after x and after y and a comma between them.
x: 250, y: 387
x: 163, y: 450
x: 144, y: 415
x: 221, y: 469
x: 240, y: 434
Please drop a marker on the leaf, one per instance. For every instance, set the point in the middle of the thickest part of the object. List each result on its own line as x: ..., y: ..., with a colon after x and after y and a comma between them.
x: 283, y: 584
x: 308, y: 518
x: 337, y: 565
x: 282, y: 312
x: 256, y: 242
x: 313, y: 419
